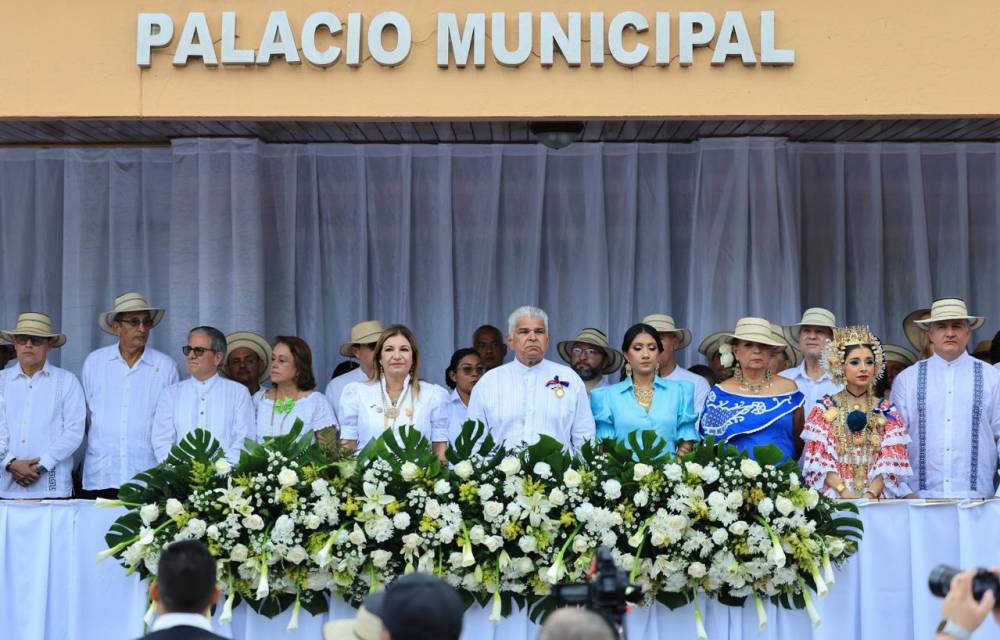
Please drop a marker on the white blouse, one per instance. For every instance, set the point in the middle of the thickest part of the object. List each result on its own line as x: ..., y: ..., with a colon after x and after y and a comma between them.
x: 313, y: 410
x: 364, y: 415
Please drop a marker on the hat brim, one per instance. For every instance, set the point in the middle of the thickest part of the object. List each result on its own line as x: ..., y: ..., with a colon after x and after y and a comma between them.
x: 709, y: 346
x: 615, y: 359
x: 793, y: 331
x: 255, y: 343
x: 975, y: 322
x: 914, y: 334
x: 771, y: 342
x: 105, y: 320
x: 8, y: 337
x: 684, y: 334
x: 347, y: 349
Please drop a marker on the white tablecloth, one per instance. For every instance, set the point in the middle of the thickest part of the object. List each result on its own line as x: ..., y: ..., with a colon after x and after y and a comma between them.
x: 51, y: 586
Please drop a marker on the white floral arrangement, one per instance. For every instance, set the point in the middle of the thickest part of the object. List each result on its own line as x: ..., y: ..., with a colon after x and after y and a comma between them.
x: 290, y: 524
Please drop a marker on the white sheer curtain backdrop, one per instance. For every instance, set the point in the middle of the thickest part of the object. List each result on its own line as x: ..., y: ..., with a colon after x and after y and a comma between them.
x: 308, y: 239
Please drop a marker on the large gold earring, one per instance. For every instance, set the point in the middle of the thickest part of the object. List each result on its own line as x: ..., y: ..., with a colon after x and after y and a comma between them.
x: 737, y: 371
x: 656, y: 371
x: 628, y: 370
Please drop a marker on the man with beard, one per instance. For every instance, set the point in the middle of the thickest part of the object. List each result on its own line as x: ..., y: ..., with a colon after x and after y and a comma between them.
x: 591, y: 357
x: 809, y: 336
x: 248, y: 359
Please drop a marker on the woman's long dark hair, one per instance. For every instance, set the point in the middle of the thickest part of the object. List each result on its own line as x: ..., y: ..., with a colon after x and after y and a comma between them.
x: 630, y: 336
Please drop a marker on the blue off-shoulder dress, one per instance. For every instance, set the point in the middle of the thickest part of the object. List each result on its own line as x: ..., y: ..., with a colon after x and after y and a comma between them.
x: 671, y: 415
x: 749, y: 421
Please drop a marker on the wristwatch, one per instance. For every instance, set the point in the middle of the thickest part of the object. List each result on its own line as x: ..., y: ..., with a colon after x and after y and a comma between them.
x: 948, y: 628
x: 41, y: 469
x: 7, y: 468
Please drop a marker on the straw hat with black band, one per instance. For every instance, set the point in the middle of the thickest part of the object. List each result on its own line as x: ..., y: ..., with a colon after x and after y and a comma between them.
x: 709, y: 347
x: 914, y: 334
x: 613, y: 360
x: 811, y: 317
x: 254, y: 342
x: 34, y: 324
x: 665, y: 324
x: 366, y: 332
x: 128, y: 303
x: 896, y: 353
x: 793, y: 355
x: 946, y: 309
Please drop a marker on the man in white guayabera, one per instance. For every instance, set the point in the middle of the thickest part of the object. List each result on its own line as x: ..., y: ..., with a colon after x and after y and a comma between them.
x: 531, y: 396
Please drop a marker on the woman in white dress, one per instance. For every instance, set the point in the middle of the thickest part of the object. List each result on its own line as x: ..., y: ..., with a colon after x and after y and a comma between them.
x: 394, y: 397
x: 293, y: 395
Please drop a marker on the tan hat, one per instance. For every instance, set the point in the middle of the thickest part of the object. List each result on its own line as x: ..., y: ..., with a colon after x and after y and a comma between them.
x: 754, y: 330
x: 949, y: 309
x: 914, y: 334
x: 794, y: 355
x: 982, y: 348
x: 254, y: 342
x: 599, y: 339
x: 665, y: 324
x: 902, y: 355
x: 34, y: 324
x: 127, y: 303
x: 813, y: 317
x: 365, y: 332
x: 709, y: 347
x: 363, y: 626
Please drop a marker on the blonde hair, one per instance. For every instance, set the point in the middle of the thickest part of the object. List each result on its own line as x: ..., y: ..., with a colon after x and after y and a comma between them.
x: 399, y: 330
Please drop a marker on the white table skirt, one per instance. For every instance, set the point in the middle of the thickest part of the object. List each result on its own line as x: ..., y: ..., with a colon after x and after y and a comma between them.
x: 51, y: 586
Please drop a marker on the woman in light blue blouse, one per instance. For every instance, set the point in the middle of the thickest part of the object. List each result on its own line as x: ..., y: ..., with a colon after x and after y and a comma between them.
x: 643, y: 401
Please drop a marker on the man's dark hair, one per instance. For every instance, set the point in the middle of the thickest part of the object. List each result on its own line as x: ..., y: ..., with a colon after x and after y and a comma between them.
x: 487, y: 328
x: 186, y: 577
x: 344, y: 367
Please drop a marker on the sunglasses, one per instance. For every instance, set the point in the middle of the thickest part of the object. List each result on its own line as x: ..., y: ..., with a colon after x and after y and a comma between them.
x: 36, y: 341
x: 198, y: 351
x: 467, y: 369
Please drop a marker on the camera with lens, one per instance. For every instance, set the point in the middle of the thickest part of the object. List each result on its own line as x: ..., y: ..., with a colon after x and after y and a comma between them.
x: 941, y: 576
x: 607, y: 593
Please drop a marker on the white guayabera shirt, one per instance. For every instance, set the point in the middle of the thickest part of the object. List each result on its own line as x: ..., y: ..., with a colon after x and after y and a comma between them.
x: 122, y: 402
x: 520, y: 403
x: 335, y: 389
x: 813, y: 390
x: 952, y: 411
x: 221, y: 406
x: 45, y: 416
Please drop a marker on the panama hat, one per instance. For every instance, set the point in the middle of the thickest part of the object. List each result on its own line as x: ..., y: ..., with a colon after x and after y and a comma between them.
x: 709, y: 347
x: 254, y: 342
x: 665, y: 324
x: 914, y: 334
x: 813, y: 317
x: 895, y: 353
x: 982, y: 348
x: 949, y: 309
x: 365, y: 332
x: 794, y: 355
x: 597, y: 338
x: 754, y: 330
x: 34, y: 324
x: 363, y: 626
x: 127, y: 303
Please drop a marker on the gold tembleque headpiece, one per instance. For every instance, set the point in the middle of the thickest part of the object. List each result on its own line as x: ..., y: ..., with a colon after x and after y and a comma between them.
x: 835, y: 351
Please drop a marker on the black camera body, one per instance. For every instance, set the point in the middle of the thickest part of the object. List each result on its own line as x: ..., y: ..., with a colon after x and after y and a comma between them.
x: 607, y: 594
x: 941, y: 576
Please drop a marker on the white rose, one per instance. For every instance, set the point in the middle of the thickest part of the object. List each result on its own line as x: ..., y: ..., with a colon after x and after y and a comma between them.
x: 710, y: 474
x: 542, y: 470
x: 793, y: 479
x: 380, y: 558
x: 812, y: 499
x: 493, y: 543
x: 738, y: 528
x: 735, y: 499
x: 312, y: 521
x: 492, y: 510
x: 572, y: 478
x: 239, y: 553
x: 222, y: 467
x: 719, y: 537
x: 510, y: 466
x: 641, y: 498
x: 750, y: 468
x: 401, y: 520
x: 477, y: 535
x: 287, y: 477
x: 254, y: 522
x: 693, y: 469
x: 673, y: 472
x: 357, y: 537
x: 441, y: 487
x: 837, y: 547
x: 196, y: 527
x: 677, y: 522
x: 765, y: 507
x: 432, y: 508
x: 697, y: 570
x: 609, y: 538
x: 612, y: 489
x: 409, y: 471
x: 784, y: 505
x: 525, y: 565
x: 212, y: 532
x: 320, y: 487
x: 463, y: 469
x: 557, y: 497
x: 580, y: 544
x: 149, y: 513
x: 657, y: 539
x: 640, y: 471
x: 527, y: 543
x: 486, y: 491
x: 283, y: 527
x: 174, y: 507
x: 296, y: 554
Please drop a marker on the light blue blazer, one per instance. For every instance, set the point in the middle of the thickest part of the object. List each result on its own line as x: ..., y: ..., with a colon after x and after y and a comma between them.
x: 672, y: 415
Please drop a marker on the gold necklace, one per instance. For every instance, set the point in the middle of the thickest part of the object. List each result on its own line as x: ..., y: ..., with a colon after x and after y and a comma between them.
x: 643, y: 395
x: 856, y: 450
x: 390, y: 409
x: 752, y: 387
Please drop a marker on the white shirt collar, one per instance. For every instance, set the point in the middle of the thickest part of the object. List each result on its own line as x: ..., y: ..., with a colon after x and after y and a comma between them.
x: 16, y: 371
x: 206, y: 385
x: 116, y: 353
x: 517, y: 364
x: 800, y: 372
x: 938, y: 360
x: 454, y: 398
x: 170, y: 620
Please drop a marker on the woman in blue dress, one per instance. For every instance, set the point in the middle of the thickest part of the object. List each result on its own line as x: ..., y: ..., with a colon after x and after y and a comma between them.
x: 643, y: 401
x: 754, y: 407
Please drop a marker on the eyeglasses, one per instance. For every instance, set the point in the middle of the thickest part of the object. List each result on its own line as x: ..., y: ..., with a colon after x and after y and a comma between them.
x: 576, y: 352
x: 467, y: 369
x: 135, y: 323
x: 36, y: 341
x: 198, y: 351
